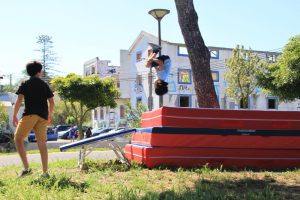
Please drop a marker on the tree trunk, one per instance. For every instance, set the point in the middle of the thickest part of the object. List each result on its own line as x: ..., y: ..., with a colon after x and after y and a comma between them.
x: 199, y: 54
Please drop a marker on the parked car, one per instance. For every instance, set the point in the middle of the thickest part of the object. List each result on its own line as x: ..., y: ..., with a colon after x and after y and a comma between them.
x: 51, y: 136
x: 96, y: 132
x: 6, y: 137
x: 61, y: 128
x: 66, y: 134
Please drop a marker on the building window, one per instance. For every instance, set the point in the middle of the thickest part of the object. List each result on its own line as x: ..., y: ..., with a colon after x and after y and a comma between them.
x: 184, y: 76
x: 139, y: 55
x: 217, y: 89
x: 214, y: 54
x: 138, y: 100
x: 122, y: 111
x: 93, y: 70
x: 182, y: 51
x: 272, y: 103
x: 139, y: 80
x: 101, y: 113
x: 184, y: 101
x: 271, y: 58
x: 95, y: 114
x: 215, y: 76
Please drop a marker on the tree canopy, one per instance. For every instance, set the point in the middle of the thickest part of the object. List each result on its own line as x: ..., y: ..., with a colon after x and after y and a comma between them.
x: 48, y: 57
x: 4, y: 117
x: 88, y: 92
x: 240, y: 76
x: 133, y: 115
x: 282, y: 78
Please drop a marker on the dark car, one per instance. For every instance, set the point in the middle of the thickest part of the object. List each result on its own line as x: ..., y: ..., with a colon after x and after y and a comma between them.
x: 59, y: 128
x: 66, y: 134
x: 6, y: 137
x: 51, y: 136
x: 96, y: 132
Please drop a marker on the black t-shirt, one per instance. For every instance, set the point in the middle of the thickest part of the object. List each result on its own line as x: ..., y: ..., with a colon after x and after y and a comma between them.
x: 36, y: 93
x: 162, y: 58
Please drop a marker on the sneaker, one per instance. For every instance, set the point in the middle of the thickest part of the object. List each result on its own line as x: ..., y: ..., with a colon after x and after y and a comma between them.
x: 45, y: 175
x: 25, y: 172
x: 156, y: 48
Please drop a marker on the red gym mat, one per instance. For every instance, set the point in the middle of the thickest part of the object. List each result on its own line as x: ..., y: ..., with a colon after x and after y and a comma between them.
x: 194, y: 157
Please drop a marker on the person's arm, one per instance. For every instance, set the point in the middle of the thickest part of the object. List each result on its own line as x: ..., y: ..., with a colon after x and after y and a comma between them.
x: 16, y: 109
x: 51, y: 109
x: 150, y: 59
x: 160, y: 63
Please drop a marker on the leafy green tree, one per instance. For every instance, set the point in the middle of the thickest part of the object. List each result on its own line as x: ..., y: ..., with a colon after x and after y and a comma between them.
x: 241, y: 73
x: 10, y: 88
x: 4, y: 125
x: 63, y: 114
x: 89, y: 92
x: 133, y: 115
x: 282, y: 78
x: 4, y: 117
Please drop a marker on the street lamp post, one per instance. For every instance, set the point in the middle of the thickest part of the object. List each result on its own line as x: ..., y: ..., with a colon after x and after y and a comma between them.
x: 158, y: 14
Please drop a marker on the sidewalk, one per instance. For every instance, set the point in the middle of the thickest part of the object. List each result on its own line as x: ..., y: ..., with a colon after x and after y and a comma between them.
x: 15, y: 159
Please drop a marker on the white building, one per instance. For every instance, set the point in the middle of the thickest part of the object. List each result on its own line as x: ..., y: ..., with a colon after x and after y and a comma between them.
x: 106, y: 116
x: 135, y: 84
x: 133, y: 80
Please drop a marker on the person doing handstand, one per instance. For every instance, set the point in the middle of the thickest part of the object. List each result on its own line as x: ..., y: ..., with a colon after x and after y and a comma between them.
x: 162, y: 65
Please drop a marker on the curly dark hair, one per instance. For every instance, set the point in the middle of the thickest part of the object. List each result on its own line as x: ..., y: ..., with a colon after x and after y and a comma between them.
x: 161, y: 88
x: 33, y: 68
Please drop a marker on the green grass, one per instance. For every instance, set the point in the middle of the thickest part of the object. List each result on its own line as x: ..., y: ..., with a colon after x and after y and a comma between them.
x: 104, y: 179
x: 52, y: 151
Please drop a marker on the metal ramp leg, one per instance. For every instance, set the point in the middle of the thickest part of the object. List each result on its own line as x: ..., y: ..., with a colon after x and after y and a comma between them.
x: 84, y: 151
x: 119, y: 152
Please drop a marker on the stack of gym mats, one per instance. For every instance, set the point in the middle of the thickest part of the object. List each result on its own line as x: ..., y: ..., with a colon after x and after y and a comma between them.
x: 190, y: 137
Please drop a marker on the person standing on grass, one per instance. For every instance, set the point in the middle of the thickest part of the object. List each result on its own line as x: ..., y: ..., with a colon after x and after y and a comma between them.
x: 36, y: 94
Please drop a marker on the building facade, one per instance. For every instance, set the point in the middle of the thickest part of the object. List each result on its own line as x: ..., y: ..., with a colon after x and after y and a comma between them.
x: 106, y: 116
x: 181, y: 88
x: 133, y: 78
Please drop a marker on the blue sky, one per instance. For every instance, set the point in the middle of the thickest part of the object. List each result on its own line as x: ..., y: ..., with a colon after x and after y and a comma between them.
x: 82, y: 30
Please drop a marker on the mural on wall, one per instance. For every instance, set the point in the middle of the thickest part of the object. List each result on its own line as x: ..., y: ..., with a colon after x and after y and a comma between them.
x: 184, y: 89
x: 184, y: 76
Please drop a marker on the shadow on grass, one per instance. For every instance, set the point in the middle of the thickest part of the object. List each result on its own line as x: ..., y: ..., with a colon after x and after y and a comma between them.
x: 227, y: 189
x: 207, y: 167
x: 59, y: 183
x: 111, y: 165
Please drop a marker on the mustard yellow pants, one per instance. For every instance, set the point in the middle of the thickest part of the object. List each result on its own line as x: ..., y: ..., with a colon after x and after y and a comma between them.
x: 32, y: 122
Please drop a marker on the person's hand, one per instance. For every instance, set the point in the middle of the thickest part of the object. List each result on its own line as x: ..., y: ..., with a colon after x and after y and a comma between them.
x: 153, y: 55
x: 15, y: 121
x: 49, y: 119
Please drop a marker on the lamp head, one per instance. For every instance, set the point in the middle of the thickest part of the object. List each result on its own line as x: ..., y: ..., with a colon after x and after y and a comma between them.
x: 158, y: 14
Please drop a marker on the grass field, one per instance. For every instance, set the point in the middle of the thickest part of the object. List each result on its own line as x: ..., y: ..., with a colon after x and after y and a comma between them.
x: 113, y: 180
